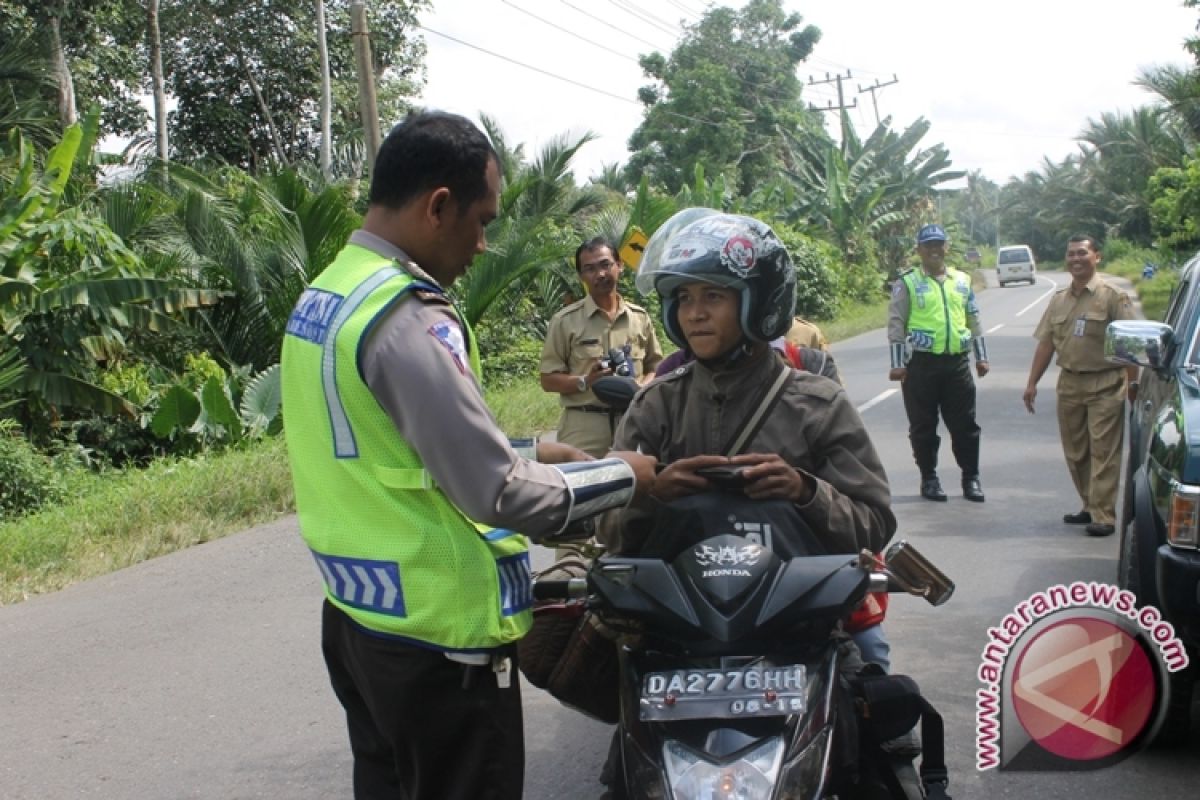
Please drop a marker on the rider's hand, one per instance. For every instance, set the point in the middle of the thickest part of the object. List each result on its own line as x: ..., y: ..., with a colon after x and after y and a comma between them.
x: 769, y: 477
x: 679, y: 479
x: 897, y: 374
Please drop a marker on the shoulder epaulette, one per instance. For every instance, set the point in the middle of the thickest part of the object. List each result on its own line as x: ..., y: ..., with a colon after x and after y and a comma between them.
x: 568, y: 309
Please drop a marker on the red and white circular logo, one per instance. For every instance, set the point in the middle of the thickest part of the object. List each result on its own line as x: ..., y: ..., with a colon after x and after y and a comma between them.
x: 739, y: 255
x: 1084, y: 689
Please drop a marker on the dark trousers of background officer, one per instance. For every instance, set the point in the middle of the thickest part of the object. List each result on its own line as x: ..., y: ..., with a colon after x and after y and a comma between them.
x: 423, y: 727
x: 941, y: 384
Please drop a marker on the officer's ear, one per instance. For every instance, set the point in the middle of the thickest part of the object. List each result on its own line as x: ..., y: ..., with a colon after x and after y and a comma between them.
x: 438, y: 205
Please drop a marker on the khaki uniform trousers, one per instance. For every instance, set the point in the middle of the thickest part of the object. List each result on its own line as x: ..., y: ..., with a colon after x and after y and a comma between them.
x: 590, y: 431
x: 1091, y: 422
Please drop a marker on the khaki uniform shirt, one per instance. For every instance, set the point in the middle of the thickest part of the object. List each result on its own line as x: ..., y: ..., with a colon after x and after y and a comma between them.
x: 581, y: 334
x: 1076, y: 325
x: 814, y: 427
x: 804, y: 334
x: 433, y: 398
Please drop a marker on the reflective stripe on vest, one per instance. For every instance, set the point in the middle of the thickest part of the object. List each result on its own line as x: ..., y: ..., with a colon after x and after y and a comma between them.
x: 363, y: 583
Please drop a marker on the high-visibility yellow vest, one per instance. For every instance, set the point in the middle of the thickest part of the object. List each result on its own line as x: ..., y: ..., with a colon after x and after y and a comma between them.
x: 937, y: 318
x: 395, y: 554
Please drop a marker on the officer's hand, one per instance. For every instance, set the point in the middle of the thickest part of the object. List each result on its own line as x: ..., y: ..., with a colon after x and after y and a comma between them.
x: 643, y: 471
x: 679, y: 479
x: 560, y: 453
x: 898, y: 374
x: 981, y: 368
x: 1029, y: 396
x: 597, y: 372
x: 769, y: 477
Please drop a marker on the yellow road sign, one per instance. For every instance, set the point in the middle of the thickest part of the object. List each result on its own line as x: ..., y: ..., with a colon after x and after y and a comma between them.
x: 635, y: 245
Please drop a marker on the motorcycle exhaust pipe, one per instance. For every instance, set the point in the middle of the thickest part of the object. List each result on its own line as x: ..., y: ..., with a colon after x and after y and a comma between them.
x: 917, y: 575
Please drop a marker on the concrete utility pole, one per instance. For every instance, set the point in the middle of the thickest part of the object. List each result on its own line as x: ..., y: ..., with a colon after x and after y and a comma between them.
x: 366, y: 82
x: 841, y: 103
x: 875, y: 88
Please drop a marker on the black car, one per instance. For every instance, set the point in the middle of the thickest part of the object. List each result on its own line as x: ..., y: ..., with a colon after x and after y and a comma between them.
x: 1160, y: 515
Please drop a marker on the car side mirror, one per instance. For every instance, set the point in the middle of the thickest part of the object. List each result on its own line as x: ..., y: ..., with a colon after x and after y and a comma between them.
x: 1138, y: 342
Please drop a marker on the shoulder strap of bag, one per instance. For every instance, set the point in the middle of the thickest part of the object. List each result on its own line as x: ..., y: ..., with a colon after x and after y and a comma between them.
x: 755, y: 421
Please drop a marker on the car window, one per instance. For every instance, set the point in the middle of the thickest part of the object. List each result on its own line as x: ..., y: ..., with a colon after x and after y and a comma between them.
x: 1014, y: 256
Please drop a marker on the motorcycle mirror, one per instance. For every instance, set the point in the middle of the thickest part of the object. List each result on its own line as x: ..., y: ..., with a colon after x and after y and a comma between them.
x: 615, y: 391
x: 917, y: 575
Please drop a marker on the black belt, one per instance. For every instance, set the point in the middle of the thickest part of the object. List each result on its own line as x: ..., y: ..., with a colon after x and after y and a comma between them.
x: 591, y: 409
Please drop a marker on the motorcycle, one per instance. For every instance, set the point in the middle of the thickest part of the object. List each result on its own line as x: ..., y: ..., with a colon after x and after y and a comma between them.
x: 733, y: 679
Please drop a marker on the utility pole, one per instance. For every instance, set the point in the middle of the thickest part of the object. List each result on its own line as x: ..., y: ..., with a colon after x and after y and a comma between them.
x: 366, y: 82
x: 875, y: 88
x: 841, y: 103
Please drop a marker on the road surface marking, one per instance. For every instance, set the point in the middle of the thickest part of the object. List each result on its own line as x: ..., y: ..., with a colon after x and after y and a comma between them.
x: 874, y: 401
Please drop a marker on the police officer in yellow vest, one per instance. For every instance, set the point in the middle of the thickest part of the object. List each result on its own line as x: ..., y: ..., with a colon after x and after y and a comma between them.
x: 933, y: 322
x: 399, y: 471
x: 578, y: 343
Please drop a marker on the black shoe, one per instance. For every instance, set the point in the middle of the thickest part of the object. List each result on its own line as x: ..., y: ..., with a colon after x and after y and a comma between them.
x: 972, y: 490
x: 931, y: 489
x: 1078, y: 518
x: 1100, y: 529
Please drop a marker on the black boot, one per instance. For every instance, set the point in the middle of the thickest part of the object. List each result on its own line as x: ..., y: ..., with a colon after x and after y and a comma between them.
x: 972, y: 489
x: 931, y: 489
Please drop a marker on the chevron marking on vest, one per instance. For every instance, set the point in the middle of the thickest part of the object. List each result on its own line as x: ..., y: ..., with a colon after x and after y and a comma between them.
x: 344, y: 444
x: 363, y: 583
x: 516, y: 584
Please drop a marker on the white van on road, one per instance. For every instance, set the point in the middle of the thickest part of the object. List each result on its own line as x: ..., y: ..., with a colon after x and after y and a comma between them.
x: 1015, y: 264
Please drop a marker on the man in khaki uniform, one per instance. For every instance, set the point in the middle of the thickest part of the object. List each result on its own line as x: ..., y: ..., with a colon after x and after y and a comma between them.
x: 578, y: 342
x: 1091, y: 391
x: 805, y: 334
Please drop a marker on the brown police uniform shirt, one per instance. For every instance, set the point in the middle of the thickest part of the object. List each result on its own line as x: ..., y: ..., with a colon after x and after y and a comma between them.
x: 581, y: 334
x: 1076, y: 325
x: 814, y: 427
x: 436, y: 404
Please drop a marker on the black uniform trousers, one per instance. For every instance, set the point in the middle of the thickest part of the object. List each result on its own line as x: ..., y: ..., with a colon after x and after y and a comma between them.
x: 941, y: 384
x: 423, y: 727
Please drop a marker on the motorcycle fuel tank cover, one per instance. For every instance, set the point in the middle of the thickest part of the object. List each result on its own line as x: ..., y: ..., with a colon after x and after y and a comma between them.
x: 725, y: 567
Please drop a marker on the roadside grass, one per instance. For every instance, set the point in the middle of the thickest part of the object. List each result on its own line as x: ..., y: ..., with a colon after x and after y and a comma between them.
x: 118, y: 518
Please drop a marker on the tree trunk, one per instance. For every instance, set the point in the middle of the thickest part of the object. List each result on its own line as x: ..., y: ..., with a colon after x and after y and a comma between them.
x: 326, y: 96
x: 58, y: 62
x: 276, y: 141
x: 366, y: 82
x: 156, y: 76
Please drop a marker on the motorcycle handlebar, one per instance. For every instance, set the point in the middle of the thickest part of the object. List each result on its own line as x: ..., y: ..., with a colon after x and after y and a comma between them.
x: 570, y: 589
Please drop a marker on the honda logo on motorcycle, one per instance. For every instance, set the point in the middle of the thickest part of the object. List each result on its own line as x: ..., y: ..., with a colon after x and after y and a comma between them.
x: 725, y: 566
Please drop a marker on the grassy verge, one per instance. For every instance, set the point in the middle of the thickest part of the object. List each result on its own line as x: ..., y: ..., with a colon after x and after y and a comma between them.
x: 117, y: 519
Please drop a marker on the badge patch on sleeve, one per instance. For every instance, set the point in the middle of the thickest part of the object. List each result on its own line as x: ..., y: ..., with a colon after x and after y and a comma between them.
x: 450, y: 335
x: 313, y: 314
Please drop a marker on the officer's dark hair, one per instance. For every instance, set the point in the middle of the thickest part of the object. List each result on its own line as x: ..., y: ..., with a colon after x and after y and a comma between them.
x: 430, y: 149
x: 595, y: 243
x: 1092, y: 241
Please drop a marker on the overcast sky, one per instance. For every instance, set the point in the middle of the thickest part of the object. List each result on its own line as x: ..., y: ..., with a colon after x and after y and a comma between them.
x: 1004, y: 83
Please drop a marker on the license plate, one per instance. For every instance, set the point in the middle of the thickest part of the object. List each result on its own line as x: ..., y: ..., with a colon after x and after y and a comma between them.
x: 753, y: 691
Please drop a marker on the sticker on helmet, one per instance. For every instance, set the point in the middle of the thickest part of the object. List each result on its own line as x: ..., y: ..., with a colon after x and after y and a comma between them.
x: 738, y: 255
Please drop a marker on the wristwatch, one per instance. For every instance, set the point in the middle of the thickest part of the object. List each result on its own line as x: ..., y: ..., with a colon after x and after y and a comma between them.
x: 581, y: 383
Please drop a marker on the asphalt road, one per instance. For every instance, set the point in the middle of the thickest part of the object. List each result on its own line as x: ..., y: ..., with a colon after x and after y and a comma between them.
x: 198, y: 675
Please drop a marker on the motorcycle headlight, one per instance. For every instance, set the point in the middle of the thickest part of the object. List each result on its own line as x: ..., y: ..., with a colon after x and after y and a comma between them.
x: 751, y: 777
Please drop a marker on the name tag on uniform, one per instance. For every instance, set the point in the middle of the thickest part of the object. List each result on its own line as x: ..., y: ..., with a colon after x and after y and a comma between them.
x: 1080, y: 326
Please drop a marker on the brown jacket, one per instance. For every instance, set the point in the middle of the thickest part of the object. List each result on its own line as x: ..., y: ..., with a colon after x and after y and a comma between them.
x: 695, y: 411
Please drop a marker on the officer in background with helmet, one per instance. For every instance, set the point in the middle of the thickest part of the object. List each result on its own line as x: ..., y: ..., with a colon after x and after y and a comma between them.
x: 933, y: 322
x: 399, y: 469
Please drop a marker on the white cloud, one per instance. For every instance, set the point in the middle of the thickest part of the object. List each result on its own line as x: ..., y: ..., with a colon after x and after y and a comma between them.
x: 1004, y: 84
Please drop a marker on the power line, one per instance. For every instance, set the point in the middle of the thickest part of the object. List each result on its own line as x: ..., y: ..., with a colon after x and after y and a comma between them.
x: 610, y: 25
x: 685, y: 9
x: 562, y: 78
x: 584, y: 39
x: 645, y: 17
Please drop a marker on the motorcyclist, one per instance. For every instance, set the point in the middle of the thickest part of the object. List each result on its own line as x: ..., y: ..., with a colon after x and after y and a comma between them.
x: 727, y: 288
